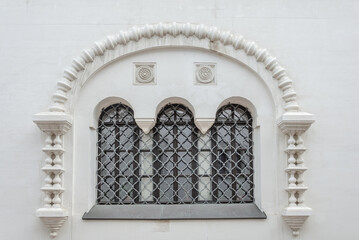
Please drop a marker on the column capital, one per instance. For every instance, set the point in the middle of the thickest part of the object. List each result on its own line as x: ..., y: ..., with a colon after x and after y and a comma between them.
x: 53, y: 122
x: 295, y: 122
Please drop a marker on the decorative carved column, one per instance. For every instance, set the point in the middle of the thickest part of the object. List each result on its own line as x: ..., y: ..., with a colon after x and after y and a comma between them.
x: 293, y: 125
x: 54, y: 125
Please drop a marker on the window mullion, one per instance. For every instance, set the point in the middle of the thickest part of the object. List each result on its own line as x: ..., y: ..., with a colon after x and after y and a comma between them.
x: 250, y: 130
x: 156, y: 166
x: 136, y: 163
x: 117, y: 158
x: 233, y: 161
x: 99, y: 161
x: 175, y: 162
x: 215, y: 171
x: 194, y: 165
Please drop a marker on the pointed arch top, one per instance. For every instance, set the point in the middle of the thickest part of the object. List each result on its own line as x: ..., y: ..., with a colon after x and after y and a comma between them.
x: 168, y: 34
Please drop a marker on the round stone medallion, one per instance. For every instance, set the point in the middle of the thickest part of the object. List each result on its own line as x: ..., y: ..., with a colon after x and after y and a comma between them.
x: 205, y: 74
x: 144, y: 74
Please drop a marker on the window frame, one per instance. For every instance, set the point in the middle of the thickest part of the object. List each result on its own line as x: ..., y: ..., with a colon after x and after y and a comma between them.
x: 177, y: 211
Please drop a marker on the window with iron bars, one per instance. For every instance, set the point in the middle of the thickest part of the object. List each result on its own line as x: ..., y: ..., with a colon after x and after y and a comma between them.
x: 175, y: 163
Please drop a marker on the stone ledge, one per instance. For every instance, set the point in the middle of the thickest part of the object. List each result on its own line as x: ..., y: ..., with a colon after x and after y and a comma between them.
x: 174, y: 212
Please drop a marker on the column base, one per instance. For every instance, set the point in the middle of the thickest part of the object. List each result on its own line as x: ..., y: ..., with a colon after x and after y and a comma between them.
x: 295, y: 217
x: 53, y: 218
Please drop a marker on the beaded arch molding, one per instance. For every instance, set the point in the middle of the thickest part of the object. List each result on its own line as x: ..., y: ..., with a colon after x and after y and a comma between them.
x: 58, y: 120
x: 172, y: 34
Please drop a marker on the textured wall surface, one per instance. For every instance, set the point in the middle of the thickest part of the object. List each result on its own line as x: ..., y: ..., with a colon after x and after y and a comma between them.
x: 316, y: 41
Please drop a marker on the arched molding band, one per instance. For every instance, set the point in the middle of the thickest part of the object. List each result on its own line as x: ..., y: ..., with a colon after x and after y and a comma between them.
x: 167, y: 35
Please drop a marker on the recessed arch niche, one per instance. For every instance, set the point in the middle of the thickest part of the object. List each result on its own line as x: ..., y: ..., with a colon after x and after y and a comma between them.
x: 241, y: 58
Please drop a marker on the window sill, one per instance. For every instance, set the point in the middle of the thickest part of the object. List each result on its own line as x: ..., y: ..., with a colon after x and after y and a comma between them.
x: 174, y: 212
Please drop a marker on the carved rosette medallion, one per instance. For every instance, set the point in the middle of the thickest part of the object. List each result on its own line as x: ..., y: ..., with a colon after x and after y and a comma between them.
x: 205, y: 73
x: 145, y: 73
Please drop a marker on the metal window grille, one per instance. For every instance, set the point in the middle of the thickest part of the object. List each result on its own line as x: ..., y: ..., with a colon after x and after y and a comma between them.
x: 174, y: 163
x: 174, y: 154
x: 232, y: 151
x: 117, y: 159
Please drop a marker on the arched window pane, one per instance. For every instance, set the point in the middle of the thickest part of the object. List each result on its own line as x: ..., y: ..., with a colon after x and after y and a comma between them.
x: 117, y: 156
x: 233, y: 155
x: 174, y: 136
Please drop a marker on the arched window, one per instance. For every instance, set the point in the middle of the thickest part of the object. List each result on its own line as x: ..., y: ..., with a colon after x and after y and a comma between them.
x: 232, y: 151
x: 118, y: 171
x: 175, y: 136
x: 175, y: 163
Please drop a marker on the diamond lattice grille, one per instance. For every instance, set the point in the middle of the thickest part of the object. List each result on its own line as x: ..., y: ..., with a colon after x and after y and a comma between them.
x: 174, y: 163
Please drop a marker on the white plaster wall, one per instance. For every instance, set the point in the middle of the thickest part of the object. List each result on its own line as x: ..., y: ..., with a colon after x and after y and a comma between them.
x: 316, y: 41
x: 175, y: 77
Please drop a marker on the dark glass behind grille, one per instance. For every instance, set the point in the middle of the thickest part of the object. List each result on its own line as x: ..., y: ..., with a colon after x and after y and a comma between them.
x: 232, y: 143
x: 117, y: 156
x: 175, y: 163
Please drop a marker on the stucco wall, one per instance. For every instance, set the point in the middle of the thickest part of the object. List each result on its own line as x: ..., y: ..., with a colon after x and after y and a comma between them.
x: 315, y: 41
